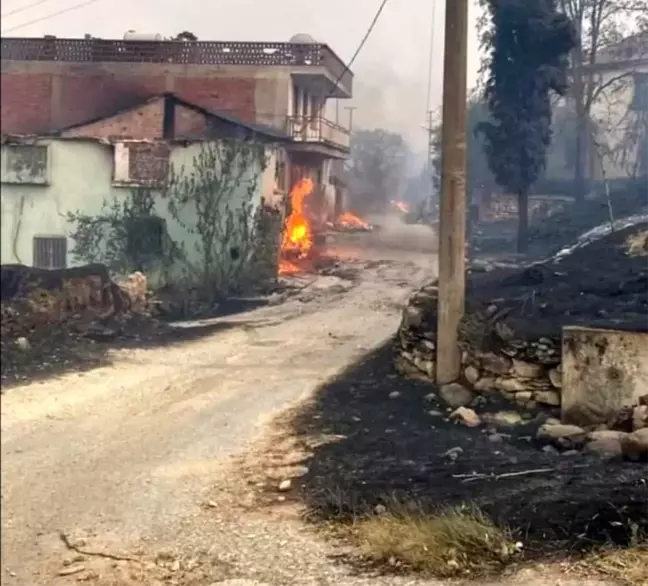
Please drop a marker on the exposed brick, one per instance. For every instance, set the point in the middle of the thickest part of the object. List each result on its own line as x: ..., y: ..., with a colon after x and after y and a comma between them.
x: 86, y: 93
x: 231, y: 95
x: 145, y: 122
x: 148, y: 163
x: 25, y: 103
x: 189, y: 123
x: 85, y: 97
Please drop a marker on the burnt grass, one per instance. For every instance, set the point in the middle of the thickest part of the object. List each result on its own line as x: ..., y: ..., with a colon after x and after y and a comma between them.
x: 390, y: 447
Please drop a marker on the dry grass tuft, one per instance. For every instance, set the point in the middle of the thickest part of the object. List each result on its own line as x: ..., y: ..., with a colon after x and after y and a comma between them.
x: 627, y: 566
x: 637, y: 244
x: 452, y: 542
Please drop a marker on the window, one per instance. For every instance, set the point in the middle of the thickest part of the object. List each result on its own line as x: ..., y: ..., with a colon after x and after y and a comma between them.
x: 145, y: 239
x: 141, y: 163
x: 50, y: 252
x: 640, y: 97
x: 25, y: 164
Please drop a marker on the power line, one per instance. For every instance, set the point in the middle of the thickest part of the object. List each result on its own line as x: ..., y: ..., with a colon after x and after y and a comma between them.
x: 48, y: 16
x: 347, y: 66
x: 23, y: 8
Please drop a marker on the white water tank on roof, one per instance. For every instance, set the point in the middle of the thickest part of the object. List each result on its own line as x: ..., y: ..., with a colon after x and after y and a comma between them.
x: 302, y: 39
x: 135, y: 36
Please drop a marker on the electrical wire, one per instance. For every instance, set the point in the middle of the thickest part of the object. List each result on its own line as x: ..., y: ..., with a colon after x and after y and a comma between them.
x: 347, y: 66
x: 23, y: 8
x: 48, y: 16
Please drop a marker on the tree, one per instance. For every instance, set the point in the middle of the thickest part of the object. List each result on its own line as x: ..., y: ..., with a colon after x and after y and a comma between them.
x: 599, y: 25
x: 529, y: 43
x: 377, y: 168
x: 216, y: 200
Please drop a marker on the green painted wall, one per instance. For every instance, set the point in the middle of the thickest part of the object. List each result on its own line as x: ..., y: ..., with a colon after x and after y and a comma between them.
x: 79, y: 178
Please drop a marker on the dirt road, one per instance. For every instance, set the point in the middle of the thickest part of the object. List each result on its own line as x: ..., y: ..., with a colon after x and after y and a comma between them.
x: 125, y: 460
x: 126, y: 452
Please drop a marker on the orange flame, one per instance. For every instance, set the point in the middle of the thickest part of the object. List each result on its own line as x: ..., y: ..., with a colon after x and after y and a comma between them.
x: 297, y: 239
x: 349, y: 220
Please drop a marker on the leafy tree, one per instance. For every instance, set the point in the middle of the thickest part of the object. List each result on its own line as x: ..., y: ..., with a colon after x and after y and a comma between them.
x: 529, y: 44
x: 215, y: 199
x: 126, y: 236
x: 377, y: 168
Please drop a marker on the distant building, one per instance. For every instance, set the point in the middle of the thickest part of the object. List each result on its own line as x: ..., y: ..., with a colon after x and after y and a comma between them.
x: 617, y: 139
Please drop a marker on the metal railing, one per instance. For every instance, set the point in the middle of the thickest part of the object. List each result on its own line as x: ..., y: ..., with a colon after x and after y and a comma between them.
x: 316, y: 129
x: 181, y: 52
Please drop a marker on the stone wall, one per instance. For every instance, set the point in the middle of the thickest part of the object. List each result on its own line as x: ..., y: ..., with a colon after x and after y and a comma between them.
x: 526, y: 371
x: 35, y: 298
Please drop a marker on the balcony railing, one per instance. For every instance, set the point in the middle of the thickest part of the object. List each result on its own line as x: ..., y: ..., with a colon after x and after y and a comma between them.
x: 315, y: 129
x: 181, y: 52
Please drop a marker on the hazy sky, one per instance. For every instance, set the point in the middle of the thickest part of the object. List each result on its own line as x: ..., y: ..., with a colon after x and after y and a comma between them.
x: 390, y: 73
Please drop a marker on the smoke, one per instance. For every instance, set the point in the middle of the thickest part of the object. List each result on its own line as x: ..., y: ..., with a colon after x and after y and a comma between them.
x: 385, y: 99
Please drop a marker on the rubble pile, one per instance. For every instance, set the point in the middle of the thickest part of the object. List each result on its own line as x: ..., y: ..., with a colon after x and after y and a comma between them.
x: 624, y: 434
x: 36, y: 298
x: 511, y: 333
x: 42, y: 310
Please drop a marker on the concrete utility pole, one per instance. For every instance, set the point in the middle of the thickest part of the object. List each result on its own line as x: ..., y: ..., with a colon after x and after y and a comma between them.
x: 452, y: 216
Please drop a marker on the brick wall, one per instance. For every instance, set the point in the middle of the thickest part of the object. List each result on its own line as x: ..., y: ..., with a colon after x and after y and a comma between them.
x: 189, y: 123
x: 42, y: 96
x: 145, y: 122
x: 25, y: 103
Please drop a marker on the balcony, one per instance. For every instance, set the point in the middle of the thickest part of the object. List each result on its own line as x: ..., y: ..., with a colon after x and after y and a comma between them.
x: 316, y: 130
x: 302, y: 57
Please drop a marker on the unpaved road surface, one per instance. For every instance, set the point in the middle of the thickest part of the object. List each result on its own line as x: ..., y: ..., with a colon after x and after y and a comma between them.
x: 126, y: 461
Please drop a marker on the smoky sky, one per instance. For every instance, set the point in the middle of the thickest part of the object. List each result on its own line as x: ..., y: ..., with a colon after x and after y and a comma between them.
x: 390, y: 73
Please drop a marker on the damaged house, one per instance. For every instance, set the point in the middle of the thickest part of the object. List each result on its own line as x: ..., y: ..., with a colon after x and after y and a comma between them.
x: 163, y: 148
x: 283, y: 85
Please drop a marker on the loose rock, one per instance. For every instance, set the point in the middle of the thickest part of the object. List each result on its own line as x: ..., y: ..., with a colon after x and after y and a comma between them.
x: 23, y: 344
x: 510, y: 385
x: 506, y: 418
x: 456, y: 395
x: 466, y: 416
x: 561, y: 434
x: 285, y: 485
